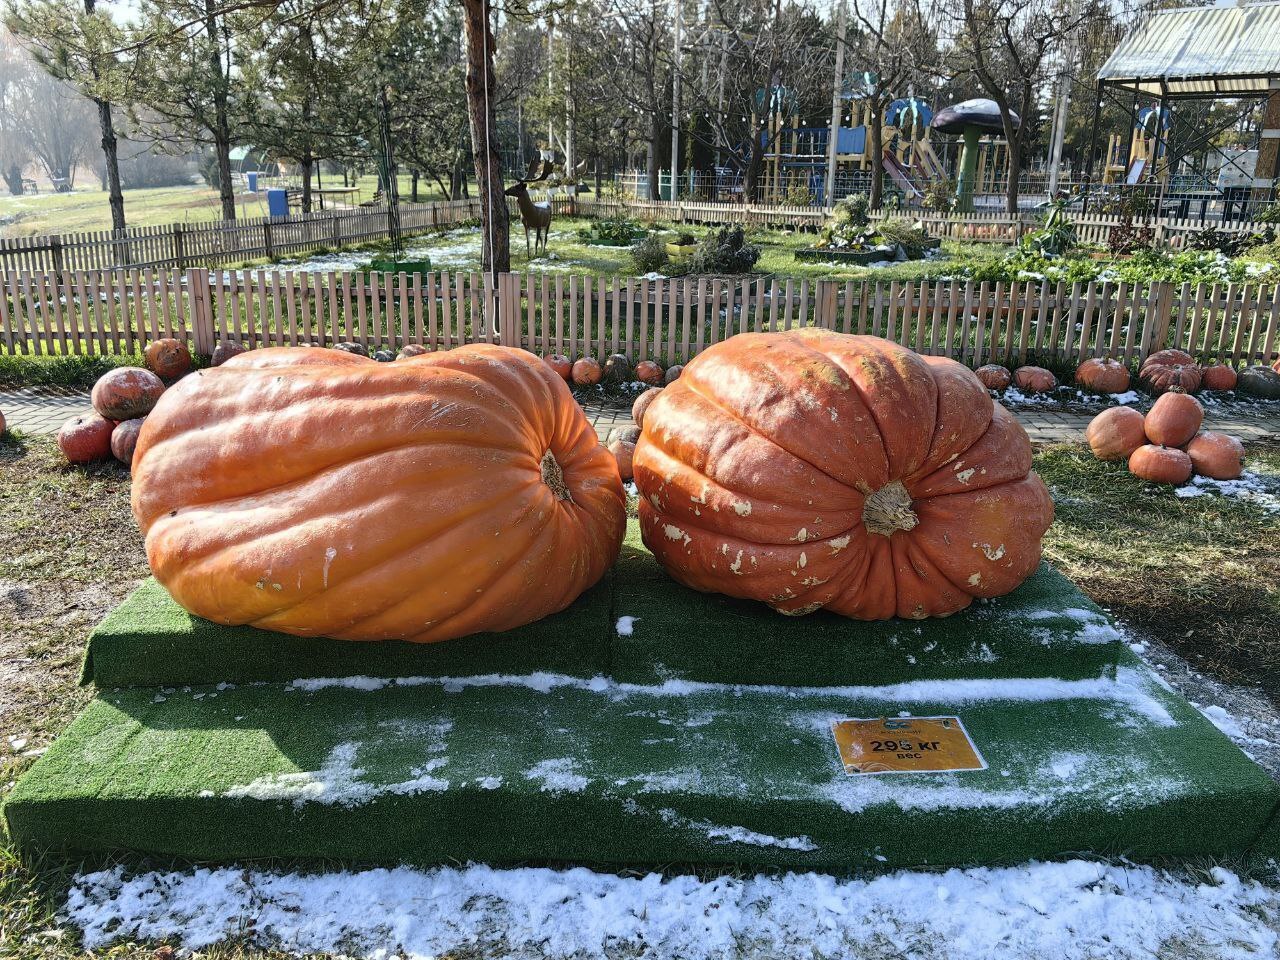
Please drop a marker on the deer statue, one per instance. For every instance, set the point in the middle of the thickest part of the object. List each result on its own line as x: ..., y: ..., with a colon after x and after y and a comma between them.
x: 533, y: 215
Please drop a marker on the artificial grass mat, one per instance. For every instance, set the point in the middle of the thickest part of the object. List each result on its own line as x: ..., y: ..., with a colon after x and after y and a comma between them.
x: 510, y: 769
x: 1045, y: 628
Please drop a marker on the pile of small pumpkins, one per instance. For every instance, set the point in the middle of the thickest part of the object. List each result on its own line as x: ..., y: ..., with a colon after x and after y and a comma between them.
x: 617, y: 369
x: 1167, y: 445
x: 588, y: 371
x: 121, y: 399
x: 1162, y: 372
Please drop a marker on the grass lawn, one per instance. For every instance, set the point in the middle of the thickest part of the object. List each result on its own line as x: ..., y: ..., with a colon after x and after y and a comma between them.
x: 86, y: 208
x: 1200, y: 574
x: 569, y: 254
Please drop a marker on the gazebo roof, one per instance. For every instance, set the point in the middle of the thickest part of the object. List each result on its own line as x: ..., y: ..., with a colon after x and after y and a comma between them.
x: 1227, y: 50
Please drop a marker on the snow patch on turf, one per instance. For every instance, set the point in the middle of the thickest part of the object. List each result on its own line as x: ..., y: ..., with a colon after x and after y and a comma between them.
x: 558, y: 776
x: 1251, y: 488
x: 340, y: 780
x: 731, y: 834
x: 1078, y: 910
x: 1131, y: 688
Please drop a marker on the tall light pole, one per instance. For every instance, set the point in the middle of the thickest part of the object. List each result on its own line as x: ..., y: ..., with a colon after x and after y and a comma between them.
x: 675, y: 101
x: 837, y: 105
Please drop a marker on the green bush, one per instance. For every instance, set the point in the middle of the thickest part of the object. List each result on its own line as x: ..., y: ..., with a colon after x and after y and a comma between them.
x: 614, y: 232
x: 901, y: 232
x: 649, y: 255
x: 724, y: 252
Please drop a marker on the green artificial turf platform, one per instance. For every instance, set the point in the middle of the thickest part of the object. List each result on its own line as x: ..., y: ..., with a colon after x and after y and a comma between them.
x: 1044, y: 628
x: 510, y: 769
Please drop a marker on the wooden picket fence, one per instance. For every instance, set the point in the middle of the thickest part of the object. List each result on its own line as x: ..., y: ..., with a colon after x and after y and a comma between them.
x: 670, y: 320
x: 212, y: 243
x: 183, y: 245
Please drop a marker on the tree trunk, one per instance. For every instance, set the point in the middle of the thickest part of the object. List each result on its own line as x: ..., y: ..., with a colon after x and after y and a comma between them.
x: 13, y: 179
x: 651, y: 159
x: 221, y: 116
x: 307, y: 164
x: 415, y: 184
x: 751, y: 176
x: 1012, y: 140
x: 875, y: 147
x: 481, y: 90
x: 110, y: 155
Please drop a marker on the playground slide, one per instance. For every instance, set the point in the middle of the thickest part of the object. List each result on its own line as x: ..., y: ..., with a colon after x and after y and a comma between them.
x: 899, y: 175
x: 1135, y: 171
x: 929, y: 162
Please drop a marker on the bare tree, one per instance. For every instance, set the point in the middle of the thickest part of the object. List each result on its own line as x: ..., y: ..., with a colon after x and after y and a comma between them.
x: 635, y: 69
x: 1010, y: 48
x: 482, y: 87
x: 16, y: 73
x: 897, y: 44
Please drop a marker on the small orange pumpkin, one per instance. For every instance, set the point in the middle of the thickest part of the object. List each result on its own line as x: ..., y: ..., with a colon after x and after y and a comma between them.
x: 1217, y: 377
x: 126, y: 393
x: 649, y: 372
x: 1216, y: 455
x: 1103, y: 375
x: 320, y: 493
x: 810, y: 469
x: 623, y: 451
x: 1174, y: 419
x: 642, y: 404
x: 562, y: 365
x: 167, y: 358
x: 225, y: 350
x: 994, y: 376
x: 1034, y: 380
x: 1115, y: 433
x: 124, y: 439
x: 86, y: 438
x: 1170, y: 371
x: 587, y: 372
x: 1160, y: 464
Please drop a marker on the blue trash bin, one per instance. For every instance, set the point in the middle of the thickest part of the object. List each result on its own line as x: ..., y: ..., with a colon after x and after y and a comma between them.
x: 253, y: 181
x: 277, y: 203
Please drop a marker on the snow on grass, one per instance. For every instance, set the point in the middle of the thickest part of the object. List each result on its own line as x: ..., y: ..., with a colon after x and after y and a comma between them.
x: 1077, y: 910
x: 558, y: 776
x: 626, y: 626
x: 1251, y: 488
x: 1130, y: 689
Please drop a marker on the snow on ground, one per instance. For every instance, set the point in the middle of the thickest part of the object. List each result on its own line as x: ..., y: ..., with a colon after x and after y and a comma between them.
x: 1254, y: 488
x: 1061, y: 911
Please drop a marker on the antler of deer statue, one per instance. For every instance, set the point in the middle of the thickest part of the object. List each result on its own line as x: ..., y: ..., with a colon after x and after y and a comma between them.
x: 535, y: 215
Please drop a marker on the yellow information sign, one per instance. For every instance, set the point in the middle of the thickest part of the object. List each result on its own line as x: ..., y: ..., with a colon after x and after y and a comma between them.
x: 905, y: 745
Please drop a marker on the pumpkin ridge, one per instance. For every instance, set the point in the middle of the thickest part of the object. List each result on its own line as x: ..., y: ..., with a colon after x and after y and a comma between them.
x: 487, y: 585
x: 871, y: 412
x: 316, y: 474
x: 216, y: 554
x: 733, y: 415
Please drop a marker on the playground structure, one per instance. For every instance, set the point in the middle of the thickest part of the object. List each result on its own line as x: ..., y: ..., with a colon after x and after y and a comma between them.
x: 1145, y: 154
x: 798, y: 156
x: 1169, y: 62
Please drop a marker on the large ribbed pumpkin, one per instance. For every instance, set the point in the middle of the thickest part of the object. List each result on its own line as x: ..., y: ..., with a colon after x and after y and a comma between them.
x: 321, y: 493
x: 813, y: 470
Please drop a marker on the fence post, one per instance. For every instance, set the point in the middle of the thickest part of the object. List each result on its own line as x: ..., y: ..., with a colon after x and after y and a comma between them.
x: 337, y: 233
x: 179, y: 247
x: 55, y: 248
x: 1161, y: 312
x: 201, y: 313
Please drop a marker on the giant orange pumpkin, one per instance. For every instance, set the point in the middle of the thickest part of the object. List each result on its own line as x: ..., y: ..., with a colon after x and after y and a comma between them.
x: 812, y: 469
x: 322, y: 493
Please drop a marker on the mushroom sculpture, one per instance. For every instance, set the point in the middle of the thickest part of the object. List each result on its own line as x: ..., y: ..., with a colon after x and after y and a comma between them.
x: 972, y: 118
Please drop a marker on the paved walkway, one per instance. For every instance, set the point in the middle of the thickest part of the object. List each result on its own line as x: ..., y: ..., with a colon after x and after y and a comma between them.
x: 42, y: 410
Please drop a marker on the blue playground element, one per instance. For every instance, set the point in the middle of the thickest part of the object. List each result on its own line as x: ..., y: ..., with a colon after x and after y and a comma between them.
x: 902, y: 112
x: 253, y: 181
x: 277, y: 202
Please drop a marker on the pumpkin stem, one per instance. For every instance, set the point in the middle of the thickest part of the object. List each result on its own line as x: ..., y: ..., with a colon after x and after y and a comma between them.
x: 553, y: 477
x: 888, y: 510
